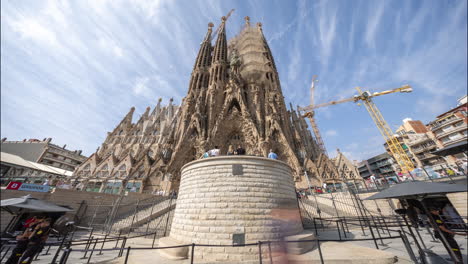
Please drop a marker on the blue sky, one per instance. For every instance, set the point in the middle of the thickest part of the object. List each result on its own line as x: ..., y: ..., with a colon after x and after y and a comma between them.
x: 72, y: 69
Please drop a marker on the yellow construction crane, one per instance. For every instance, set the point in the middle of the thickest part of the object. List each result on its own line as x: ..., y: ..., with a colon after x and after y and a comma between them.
x: 310, y: 114
x: 224, y: 18
x: 366, y: 97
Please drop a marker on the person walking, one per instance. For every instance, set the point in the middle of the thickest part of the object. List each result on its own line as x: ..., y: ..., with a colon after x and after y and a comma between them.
x: 446, y: 233
x: 272, y: 155
x: 36, y: 241
x: 22, y: 242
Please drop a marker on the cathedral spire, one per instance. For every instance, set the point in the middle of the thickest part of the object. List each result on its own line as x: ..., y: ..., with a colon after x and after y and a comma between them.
x: 204, y: 55
x: 200, y: 74
x: 219, y: 60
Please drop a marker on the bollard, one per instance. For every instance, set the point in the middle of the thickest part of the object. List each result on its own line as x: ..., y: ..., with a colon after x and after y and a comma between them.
x: 92, y: 251
x: 126, y: 256
x: 260, y: 251
x: 192, y: 253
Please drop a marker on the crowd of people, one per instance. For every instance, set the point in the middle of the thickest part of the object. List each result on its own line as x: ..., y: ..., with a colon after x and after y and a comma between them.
x: 216, y: 151
x: 35, y: 234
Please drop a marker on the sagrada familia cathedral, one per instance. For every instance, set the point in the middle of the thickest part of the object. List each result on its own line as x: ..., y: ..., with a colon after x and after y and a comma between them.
x: 234, y: 98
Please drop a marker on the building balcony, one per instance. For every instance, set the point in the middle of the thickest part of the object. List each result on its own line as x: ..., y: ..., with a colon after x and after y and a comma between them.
x: 454, y: 141
x: 445, y: 122
x: 69, y: 154
x: 424, y: 149
x: 463, y: 127
x: 67, y: 163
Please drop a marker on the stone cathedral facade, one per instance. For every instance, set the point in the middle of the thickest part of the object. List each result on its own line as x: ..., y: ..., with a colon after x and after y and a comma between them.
x: 234, y: 98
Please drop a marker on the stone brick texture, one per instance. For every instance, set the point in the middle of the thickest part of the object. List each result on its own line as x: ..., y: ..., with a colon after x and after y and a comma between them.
x: 213, y: 204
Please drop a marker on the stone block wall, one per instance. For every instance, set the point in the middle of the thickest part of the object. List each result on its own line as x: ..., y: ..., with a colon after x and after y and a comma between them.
x: 223, y: 196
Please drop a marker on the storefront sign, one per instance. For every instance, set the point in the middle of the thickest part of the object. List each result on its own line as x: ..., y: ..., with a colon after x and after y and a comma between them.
x: 14, y: 185
x: 34, y: 187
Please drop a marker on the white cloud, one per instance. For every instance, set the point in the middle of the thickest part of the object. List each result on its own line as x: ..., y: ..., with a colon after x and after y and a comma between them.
x: 327, y: 33
x: 373, y: 23
x: 109, y: 45
x: 331, y: 133
x: 30, y: 28
x: 149, y: 8
x: 141, y: 86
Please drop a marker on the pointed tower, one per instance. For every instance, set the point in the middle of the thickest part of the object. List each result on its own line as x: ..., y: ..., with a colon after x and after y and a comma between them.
x: 218, y: 71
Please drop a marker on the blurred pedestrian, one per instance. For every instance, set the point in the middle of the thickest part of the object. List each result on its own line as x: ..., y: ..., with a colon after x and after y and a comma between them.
x: 36, y: 241
x: 446, y: 233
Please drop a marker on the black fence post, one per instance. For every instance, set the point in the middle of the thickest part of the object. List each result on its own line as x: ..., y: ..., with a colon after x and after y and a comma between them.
x: 320, y: 251
x: 118, y: 238
x: 102, y: 246
x: 269, y: 252
x: 260, y: 251
x: 408, y: 247
x: 126, y: 256
x: 47, y: 251
x: 338, y: 227
x: 168, y: 214
x: 92, y: 251
x: 54, y: 259
x: 6, y: 252
x: 192, y: 252
x: 68, y: 254
x: 88, y: 244
x: 122, y: 247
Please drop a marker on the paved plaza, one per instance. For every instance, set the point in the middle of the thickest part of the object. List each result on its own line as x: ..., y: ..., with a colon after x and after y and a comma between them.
x: 329, y: 250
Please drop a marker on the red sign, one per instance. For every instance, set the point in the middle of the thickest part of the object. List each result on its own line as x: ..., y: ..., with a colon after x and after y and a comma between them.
x: 14, y: 185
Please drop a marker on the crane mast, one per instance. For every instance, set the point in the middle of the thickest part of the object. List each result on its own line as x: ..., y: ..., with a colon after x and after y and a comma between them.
x: 366, y: 97
x: 393, y: 144
x: 311, y: 117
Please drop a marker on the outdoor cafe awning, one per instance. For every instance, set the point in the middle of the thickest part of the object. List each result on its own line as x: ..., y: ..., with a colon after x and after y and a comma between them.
x: 416, y: 188
x: 27, y: 203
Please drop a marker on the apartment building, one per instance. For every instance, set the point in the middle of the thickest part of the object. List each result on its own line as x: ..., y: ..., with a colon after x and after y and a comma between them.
x: 450, y: 128
x: 44, y: 152
x: 381, y: 165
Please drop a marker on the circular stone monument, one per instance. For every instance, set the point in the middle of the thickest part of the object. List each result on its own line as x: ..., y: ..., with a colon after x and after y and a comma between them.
x: 233, y: 200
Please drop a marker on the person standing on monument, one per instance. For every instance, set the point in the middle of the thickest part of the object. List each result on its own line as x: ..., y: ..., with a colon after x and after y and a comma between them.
x: 214, y: 152
x: 272, y: 155
x: 240, y: 150
x: 230, y: 150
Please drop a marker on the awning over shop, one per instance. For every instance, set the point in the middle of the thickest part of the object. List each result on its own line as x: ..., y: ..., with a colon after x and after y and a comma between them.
x: 452, y: 149
x: 27, y: 203
x: 416, y: 188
